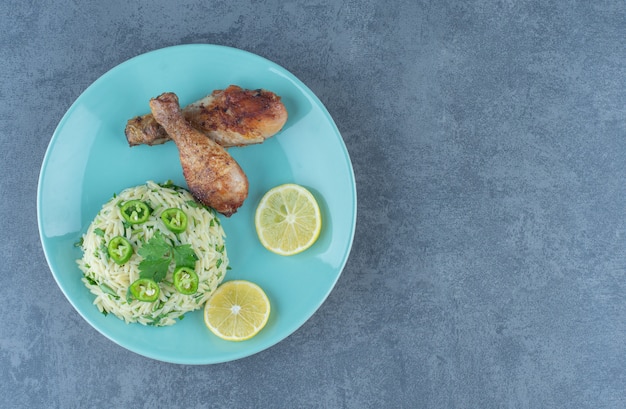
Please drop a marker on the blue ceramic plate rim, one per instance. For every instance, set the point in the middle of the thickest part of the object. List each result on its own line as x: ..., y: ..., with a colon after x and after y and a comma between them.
x: 247, y: 349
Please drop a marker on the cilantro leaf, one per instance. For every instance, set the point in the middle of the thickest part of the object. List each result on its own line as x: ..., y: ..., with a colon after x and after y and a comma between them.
x: 154, y: 269
x: 184, y: 256
x: 155, y: 248
x: 108, y: 290
x: 158, y: 254
x: 90, y: 280
x: 192, y: 203
x: 167, y: 183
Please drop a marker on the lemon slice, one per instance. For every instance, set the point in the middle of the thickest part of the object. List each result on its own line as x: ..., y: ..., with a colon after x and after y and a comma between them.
x: 288, y: 219
x: 237, y: 310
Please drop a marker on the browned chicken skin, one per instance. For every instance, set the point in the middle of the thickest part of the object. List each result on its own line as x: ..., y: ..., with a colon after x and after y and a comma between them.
x: 214, y: 178
x: 231, y: 117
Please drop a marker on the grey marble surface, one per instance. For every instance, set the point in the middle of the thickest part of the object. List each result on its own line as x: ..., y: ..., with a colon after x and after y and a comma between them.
x: 488, y: 143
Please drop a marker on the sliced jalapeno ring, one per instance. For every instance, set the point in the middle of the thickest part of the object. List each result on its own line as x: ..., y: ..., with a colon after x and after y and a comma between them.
x: 186, y: 280
x: 145, y: 289
x: 174, y: 219
x: 135, y: 211
x: 120, y: 249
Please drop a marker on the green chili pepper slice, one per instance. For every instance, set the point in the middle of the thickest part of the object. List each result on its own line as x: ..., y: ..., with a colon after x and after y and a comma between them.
x: 120, y: 249
x: 145, y: 289
x: 186, y: 280
x: 135, y: 211
x: 174, y: 219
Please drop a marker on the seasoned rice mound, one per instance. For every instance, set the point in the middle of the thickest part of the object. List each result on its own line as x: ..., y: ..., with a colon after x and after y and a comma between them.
x: 109, y: 281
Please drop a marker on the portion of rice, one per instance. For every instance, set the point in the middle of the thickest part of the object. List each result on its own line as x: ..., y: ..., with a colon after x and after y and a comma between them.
x: 109, y: 281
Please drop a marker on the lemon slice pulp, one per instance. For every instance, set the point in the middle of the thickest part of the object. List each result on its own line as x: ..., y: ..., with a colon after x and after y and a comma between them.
x: 288, y: 219
x: 237, y: 310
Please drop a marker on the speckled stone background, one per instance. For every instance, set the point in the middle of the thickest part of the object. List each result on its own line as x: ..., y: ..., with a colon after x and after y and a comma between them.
x: 488, y: 140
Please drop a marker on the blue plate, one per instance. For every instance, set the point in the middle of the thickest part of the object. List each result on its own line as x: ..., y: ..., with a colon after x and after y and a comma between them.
x: 88, y: 160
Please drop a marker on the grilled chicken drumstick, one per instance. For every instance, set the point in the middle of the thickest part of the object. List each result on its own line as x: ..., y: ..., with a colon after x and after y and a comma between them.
x: 213, y: 176
x: 231, y: 117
